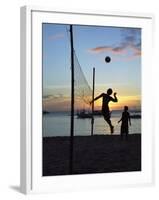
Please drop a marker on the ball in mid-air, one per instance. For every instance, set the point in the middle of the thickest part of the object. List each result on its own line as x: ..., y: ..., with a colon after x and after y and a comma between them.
x: 107, y: 59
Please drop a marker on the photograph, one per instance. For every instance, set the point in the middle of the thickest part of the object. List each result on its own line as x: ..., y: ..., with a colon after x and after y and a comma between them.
x: 91, y: 99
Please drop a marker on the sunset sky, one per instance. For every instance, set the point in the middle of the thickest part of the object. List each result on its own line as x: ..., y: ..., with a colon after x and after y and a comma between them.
x: 92, y: 44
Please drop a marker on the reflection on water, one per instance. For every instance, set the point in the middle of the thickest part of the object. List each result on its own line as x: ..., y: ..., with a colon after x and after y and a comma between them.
x: 59, y: 125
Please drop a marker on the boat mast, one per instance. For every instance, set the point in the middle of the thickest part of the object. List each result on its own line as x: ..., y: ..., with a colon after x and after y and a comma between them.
x: 92, y: 122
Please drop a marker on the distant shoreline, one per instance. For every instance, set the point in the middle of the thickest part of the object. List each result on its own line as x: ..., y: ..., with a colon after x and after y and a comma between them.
x: 68, y: 112
x: 92, y: 154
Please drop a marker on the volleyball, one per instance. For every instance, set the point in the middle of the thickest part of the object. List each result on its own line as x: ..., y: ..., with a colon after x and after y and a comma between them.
x: 107, y: 59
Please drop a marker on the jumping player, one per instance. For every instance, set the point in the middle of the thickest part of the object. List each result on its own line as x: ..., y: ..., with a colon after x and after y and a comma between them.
x: 106, y: 98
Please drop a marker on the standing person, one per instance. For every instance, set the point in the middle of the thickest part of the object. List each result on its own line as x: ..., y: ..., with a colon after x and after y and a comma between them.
x: 106, y: 98
x: 126, y: 121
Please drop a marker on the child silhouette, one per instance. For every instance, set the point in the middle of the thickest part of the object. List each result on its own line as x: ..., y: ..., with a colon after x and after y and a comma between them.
x: 106, y: 98
x: 125, y: 120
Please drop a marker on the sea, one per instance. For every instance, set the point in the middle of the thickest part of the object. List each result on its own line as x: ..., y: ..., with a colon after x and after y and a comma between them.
x: 58, y: 124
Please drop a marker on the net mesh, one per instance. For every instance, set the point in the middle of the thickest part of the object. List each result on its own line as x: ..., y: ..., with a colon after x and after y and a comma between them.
x: 83, y: 91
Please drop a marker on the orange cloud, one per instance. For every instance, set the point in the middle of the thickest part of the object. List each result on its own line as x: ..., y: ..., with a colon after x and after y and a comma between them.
x: 121, y: 50
x: 56, y: 104
x: 100, y: 49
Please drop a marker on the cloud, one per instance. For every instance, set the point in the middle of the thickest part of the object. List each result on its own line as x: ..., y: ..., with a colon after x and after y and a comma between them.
x: 130, y: 42
x: 136, y: 50
x: 115, y: 50
x: 47, y: 96
x: 56, y: 36
x: 55, y: 103
x: 53, y: 97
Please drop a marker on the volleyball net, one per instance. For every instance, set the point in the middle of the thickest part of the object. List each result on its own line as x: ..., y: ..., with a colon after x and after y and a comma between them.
x: 82, y: 89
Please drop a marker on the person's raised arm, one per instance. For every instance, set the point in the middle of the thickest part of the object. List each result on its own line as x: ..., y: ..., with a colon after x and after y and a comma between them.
x: 98, y: 97
x: 115, y: 99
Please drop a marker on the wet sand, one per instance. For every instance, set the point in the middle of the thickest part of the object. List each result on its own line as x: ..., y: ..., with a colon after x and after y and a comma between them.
x: 92, y: 154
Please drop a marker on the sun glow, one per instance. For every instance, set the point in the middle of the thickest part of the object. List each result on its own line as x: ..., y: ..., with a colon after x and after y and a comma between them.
x: 131, y: 101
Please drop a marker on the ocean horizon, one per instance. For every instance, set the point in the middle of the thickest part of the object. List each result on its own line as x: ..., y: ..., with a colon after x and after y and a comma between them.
x: 132, y: 111
x: 58, y: 124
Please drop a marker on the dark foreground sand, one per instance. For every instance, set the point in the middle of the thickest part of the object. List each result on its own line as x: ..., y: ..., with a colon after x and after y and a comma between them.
x: 92, y: 154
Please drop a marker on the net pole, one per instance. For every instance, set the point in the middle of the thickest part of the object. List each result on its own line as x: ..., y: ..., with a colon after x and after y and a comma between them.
x: 93, y: 88
x: 72, y: 103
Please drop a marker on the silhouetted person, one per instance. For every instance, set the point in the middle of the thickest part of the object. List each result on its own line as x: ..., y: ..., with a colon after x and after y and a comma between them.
x: 126, y: 121
x: 106, y: 98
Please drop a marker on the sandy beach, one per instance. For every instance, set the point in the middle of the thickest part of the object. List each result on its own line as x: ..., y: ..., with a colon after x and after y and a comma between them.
x: 92, y: 154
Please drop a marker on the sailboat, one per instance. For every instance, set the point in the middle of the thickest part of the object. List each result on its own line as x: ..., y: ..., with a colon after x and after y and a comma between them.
x: 84, y: 114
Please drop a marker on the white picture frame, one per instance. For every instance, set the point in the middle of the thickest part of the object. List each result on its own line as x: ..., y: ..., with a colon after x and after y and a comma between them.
x: 31, y: 127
